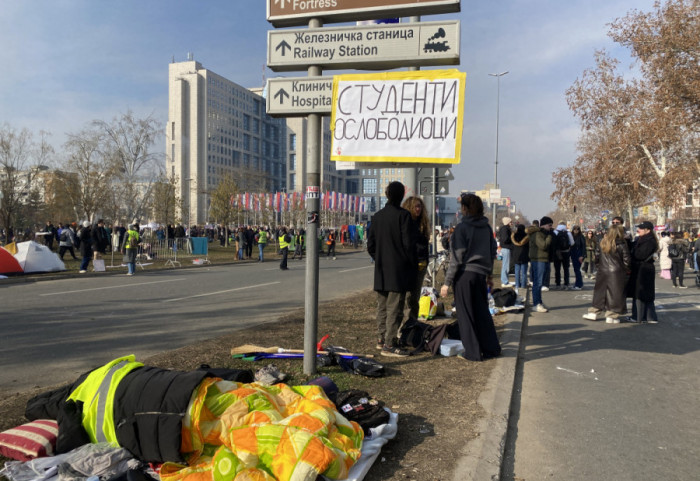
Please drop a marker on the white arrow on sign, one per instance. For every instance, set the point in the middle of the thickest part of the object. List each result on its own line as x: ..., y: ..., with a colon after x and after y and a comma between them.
x: 299, y: 96
x: 369, y: 46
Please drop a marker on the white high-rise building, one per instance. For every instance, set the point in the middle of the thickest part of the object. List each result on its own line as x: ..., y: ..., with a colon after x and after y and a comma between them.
x: 216, y: 127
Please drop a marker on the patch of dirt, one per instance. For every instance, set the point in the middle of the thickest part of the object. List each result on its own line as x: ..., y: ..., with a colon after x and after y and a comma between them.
x: 436, y: 397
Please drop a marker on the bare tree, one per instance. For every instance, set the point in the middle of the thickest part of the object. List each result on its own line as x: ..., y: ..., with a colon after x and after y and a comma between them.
x: 128, y: 141
x: 165, y: 201
x: 15, y: 152
x: 87, y: 179
x: 222, y: 205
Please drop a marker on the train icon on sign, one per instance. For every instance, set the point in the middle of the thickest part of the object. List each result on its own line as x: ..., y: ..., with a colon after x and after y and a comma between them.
x: 433, y: 46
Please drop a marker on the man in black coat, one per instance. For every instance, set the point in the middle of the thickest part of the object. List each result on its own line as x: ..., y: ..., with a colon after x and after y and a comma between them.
x: 392, y: 245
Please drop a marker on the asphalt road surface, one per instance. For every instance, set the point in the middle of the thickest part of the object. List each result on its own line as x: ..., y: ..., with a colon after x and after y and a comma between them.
x: 597, y: 401
x: 54, y: 330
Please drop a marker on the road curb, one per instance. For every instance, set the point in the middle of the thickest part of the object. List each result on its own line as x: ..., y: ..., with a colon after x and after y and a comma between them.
x: 482, y: 457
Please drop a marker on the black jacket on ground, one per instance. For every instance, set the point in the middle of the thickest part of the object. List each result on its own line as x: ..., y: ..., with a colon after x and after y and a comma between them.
x: 392, y: 244
x: 149, y: 405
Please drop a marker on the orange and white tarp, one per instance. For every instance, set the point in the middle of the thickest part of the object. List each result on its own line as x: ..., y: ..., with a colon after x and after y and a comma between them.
x: 251, y: 432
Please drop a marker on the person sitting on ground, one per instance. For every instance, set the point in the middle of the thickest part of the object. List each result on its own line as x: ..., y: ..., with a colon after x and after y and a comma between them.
x: 614, y: 265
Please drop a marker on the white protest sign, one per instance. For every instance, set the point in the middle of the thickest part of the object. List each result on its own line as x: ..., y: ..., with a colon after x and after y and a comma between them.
x: 408, y: 117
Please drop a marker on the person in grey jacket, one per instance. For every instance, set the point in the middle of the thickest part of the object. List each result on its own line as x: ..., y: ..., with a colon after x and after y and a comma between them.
x: 472, y: 252
x: 66, y: 241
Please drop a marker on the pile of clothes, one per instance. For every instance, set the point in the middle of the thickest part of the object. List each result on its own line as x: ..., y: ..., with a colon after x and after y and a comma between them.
x: 195, y: 425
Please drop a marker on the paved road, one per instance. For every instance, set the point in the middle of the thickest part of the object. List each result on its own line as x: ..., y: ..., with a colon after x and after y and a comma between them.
x: 55, y: 329
x: 597, y: 401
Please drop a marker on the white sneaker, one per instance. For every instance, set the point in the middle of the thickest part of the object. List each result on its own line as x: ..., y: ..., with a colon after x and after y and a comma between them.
x: 591, y: 316
x: 545, y: 288
x: 541, y: 308
x: 612, y: 320
x: 575, y: 288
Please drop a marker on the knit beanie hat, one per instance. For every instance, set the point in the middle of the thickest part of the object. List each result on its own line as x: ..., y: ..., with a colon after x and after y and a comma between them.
x: 506, y: 220
x: 546, y: 220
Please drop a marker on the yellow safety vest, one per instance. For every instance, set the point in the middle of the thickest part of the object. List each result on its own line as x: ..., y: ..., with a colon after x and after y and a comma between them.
x: 132, y: 239
x: 262, y: 237
x: 282, y: 242
x: 97, y: 394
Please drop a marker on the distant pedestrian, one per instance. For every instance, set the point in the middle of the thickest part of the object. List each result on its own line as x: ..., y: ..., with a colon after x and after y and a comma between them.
x: 472, y: 253
x: 262, y: 242
x: 100, y: 239
x: 641, y: 286
x: 563, y: 241
x: 506, y: 245
x: 130, y: 248
x: 67, y: 241
x: 85, y: 245
x: 521, y: 256
x: 578, y: 254
x: 299, y: 238
x: 392, y: 245
x: 680, y: 248
x: 591, y: 249
x: 285, y: 240
x: 330, y: 242
x: 540, y: 248
x: 614, y: 265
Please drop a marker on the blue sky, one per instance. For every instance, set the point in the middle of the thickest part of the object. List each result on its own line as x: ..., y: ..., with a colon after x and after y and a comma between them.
x: 67, y: 62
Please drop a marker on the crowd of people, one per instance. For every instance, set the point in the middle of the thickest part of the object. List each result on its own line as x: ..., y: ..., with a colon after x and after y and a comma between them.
x: 621, y: 263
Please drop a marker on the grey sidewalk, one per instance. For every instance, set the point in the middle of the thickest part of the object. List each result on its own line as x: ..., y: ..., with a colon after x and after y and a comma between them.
x: 597, y: 401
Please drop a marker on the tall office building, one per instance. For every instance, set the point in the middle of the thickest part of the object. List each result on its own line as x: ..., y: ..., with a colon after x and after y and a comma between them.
x: 216, y: 127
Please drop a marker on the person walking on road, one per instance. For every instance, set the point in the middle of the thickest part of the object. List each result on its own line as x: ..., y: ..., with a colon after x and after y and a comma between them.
x: 563, y: 240
x: 285, y: 240
x: 391, y: 244
x: 614, y: 265
x: 641, y: 286
x: 416, y: 207
x: 330, y: 242
x: 472, y: 252
x: 540, y: 247
x: 130, y: 248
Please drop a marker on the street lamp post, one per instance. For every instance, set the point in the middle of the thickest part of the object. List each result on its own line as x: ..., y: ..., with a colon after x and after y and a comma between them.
x: 189, y: 202
x: 498, y: 111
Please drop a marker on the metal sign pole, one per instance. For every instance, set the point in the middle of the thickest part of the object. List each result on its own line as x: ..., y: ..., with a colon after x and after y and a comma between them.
x: 313, y: 202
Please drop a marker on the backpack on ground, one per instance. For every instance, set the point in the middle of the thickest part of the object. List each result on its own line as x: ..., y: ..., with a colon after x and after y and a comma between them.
x: 504, y: 297
x: 415, y: 335
x: 674, y: 251
x: 360, y: 407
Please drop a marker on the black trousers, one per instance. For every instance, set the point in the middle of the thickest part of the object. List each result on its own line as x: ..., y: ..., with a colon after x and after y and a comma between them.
x: 473, y: 317
x: 283, y: 262
x: 677, y: 268
x: 562, y: 264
